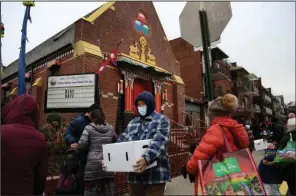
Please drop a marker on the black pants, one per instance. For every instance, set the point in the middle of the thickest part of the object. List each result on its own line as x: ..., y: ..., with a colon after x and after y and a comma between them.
x: 289, y: 176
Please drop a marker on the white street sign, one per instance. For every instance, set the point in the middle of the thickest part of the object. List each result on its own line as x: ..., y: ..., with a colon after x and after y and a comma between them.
x: 218, y: 13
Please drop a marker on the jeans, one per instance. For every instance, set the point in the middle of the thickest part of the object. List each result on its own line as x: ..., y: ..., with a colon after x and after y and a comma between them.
x: 272, y: 189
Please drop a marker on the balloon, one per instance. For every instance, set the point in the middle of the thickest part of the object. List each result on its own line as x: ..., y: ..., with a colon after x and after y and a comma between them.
x: 142, y: 18
x: 139, y: 26
x: 146, y: 29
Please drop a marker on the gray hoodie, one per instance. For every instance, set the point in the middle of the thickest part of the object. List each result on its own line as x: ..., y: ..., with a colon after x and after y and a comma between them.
x: 92, y: 139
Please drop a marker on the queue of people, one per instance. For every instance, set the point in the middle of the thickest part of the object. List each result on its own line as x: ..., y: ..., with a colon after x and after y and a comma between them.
x: 25, y: 152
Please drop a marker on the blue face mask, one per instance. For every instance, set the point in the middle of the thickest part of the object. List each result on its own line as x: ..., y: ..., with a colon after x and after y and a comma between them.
x: 142, y: 110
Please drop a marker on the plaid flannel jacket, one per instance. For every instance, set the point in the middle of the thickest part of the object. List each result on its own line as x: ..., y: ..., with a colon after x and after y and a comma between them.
x: 156, y: 127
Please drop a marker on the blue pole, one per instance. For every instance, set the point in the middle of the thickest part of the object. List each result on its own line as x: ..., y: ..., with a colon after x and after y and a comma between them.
x: 22, y: 56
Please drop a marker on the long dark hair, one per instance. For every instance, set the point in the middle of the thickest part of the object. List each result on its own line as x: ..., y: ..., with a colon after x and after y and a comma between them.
x: 98, y: 116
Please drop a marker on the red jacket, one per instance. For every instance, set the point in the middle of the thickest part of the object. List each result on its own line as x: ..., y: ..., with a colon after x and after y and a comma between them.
x: 23, y: 149
x: 213, y: 140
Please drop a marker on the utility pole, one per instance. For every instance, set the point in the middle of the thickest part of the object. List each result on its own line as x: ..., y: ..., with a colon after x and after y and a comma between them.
x: 206, y: 44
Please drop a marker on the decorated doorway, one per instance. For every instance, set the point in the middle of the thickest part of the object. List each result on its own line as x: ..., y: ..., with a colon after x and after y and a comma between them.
x: 141, y: 85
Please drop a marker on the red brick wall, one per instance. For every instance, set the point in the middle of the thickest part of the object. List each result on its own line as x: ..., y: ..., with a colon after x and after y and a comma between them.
x: 190, y: 67
x: 112, y: 26
x: 169, y: 111
x: 179, y: 102
x: 108, y: 81
x: 225, y: 85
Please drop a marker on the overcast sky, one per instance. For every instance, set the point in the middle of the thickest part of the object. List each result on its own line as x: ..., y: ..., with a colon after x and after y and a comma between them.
x: 260, y: 36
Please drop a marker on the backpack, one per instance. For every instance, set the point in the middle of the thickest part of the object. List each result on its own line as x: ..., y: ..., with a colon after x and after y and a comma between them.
x: 68, y: 174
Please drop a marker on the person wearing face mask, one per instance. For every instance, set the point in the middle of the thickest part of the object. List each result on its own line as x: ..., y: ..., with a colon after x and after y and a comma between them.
x: 149, y: 125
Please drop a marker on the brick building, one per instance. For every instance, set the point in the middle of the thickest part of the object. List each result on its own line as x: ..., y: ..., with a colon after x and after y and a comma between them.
x: 278, y: 107
x: 191, y: 71
x: 145, y: 60
x: 227, y: 77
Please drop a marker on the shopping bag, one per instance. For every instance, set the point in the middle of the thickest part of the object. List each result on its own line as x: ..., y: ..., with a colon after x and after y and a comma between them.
x: 286, y: 154
x: 260, y: 144
x: 230, y: 173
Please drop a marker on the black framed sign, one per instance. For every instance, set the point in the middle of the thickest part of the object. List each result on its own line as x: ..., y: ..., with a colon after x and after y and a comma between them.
x: 71, y: 93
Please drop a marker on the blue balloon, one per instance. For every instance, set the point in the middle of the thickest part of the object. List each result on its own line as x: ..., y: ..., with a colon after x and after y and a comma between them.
x: 139, y: 26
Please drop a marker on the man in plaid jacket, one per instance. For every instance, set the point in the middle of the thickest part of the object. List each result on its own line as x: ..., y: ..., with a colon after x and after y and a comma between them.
x: 155, y: 126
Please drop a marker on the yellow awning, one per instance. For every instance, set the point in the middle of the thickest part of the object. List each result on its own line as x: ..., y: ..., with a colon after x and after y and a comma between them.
x: 178, y: 79
x: 13, y: 92
x: 38, y: 82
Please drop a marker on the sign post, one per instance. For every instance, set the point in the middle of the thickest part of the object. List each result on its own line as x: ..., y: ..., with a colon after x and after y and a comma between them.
x: 202, y: 23
x: 206, y: 53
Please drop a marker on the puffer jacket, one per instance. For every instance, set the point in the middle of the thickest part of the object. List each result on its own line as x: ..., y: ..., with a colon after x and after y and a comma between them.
x: 213, y: 141
x: 92, y: 139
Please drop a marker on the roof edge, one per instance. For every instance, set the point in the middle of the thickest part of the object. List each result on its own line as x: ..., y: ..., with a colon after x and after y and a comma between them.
x: 98, y: 12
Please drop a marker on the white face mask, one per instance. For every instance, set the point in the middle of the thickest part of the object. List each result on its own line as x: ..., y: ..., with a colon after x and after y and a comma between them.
x: 142, y: 110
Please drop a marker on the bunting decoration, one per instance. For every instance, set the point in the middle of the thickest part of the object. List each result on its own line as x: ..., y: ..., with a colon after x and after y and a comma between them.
x: 112, y: 57
x: 22, y: 57
x: 2, y: 30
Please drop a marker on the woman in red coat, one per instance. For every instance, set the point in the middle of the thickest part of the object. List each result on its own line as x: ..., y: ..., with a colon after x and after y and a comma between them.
x: 219, y: 116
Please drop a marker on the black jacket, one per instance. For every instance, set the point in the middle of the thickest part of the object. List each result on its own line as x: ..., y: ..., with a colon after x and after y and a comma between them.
x: 278, y: 131
x: 270, y: 174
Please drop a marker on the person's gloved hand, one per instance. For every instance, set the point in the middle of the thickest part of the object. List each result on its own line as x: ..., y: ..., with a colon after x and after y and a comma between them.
x: 184, y: 172
x: 192, y: 148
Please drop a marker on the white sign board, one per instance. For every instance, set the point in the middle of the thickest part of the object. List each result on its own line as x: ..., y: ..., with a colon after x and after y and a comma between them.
x: 218, y: 14
x: 71, y: 91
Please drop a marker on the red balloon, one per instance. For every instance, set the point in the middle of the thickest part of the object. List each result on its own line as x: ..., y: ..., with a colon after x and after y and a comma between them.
x: 142, y: 18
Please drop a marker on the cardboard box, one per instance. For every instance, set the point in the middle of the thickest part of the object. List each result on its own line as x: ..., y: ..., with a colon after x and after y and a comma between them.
x: 260, y: 144
x: 121, y: 157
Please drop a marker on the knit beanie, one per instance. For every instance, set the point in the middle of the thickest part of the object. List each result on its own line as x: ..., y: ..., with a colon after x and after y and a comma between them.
x: 291, y: 124
x: 222, y: 106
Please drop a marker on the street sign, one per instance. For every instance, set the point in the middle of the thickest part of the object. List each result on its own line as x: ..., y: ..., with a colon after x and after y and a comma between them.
x: 218, y: 16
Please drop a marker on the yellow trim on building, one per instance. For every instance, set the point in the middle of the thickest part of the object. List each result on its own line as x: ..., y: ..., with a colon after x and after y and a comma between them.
x: 13, y: 92
x: 38, y: 82
x: 82, y: 47
x: 145, y: 63
x: 178, y: 79
x: 112, y: 8
x: 99, y: 12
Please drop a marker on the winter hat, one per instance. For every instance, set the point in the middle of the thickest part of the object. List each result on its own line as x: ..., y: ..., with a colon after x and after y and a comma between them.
x: 291, y: 124
x: 269, y: 157
x: 223, y: 106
